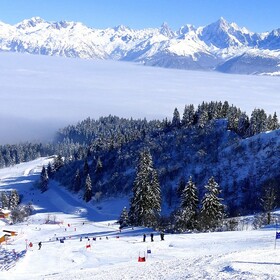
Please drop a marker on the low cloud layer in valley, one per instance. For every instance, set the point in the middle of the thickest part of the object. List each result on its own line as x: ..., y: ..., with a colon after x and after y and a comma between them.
x: 40, y: 94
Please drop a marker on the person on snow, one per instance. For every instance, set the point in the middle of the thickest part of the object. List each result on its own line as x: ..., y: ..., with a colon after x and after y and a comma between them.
x: 162, y: 236
x: 144, y: 237
x: 40, y: 245
x: 152, y: 237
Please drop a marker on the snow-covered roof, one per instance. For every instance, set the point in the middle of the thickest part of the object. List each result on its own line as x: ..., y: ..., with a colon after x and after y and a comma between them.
x: 5, y: 211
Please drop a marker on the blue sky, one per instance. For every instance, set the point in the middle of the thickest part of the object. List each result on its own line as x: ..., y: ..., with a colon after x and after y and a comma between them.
x: 256, y: 15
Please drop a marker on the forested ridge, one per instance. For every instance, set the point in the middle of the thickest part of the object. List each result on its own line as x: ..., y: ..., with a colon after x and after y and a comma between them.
x: 215, y: 140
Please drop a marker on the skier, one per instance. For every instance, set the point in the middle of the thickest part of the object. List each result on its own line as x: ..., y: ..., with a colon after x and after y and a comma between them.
x: 152, y: 237
x: 162, y: 236
x: 40, y: 245
x: 144, y: 237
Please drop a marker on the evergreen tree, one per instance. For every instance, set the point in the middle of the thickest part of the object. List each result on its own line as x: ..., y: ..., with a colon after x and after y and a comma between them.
x: 189, y: 196
x: 77, y: 184
x: 225, y: 108
x: 268, y: 201
x: 2, y: 161
x: 14, y: 200
x: 181, y: 186
x: 21, y: 212
x: 272, y: 122
x: 213, y: 112
x: 123, y: 220
x: 145, y: 204
x: 187, y: 216
x: 243, y: 124
x: 188, y: 116
x: 258, y: 122
x: 202, y: 115
x: 182, y: 219
x: 166, y: 124
x: 88, y: 189
x: 275, y: 123
x: 58, y: 163
x: 44, y: 180
x: 212, y: 210
x: 233, y: 116
x: 50, y: 170
x: 176, y: 121
x: 4, y: 200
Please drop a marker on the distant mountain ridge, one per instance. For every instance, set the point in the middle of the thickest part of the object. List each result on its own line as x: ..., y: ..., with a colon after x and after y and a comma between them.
x: 219, y: 46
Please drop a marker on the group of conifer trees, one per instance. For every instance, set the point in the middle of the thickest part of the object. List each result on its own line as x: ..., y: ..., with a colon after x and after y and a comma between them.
x: 116, y: 140
x: 238, y: 121
x: 48, y: 173
x: 194, y: 215
x: 145, y: 205
x: 9, y: 200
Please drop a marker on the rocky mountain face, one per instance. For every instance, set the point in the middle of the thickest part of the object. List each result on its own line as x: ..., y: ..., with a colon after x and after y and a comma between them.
x: 219, y: 46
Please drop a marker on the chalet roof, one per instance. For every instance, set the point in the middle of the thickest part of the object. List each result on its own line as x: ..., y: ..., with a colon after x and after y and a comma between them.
x: 5, y: 211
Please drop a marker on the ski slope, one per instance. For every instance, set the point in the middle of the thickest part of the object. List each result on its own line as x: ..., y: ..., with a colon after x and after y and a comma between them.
x: 247, y: 254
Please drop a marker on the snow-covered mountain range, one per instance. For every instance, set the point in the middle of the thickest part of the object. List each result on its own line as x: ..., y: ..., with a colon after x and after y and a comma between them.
x: 218, y: 46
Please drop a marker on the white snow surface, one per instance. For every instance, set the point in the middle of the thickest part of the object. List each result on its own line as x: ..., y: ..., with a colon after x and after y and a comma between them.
x: 40, y: 94
x: 247, y: 254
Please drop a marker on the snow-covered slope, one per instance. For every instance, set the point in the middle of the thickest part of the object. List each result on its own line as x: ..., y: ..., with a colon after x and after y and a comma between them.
x: 244, y: 254
x: 188, y: 48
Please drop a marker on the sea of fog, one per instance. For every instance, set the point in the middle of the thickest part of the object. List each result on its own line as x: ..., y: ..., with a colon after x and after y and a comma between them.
x: 40, y: 94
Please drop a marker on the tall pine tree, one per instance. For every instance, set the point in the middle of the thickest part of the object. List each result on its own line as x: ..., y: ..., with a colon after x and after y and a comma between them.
x: 123, y: 220
x: 176, y: 121
x: 58, y: 163
x: 88, y: 189
x: 212, y: 210
x: 77, y: 183
x: 145, y: 204
x: 188, y: 116
x: 189, y: 201
x: 14, y: 199
x: 44, y: 180
x: 186, y: 217
x: 4, y: 200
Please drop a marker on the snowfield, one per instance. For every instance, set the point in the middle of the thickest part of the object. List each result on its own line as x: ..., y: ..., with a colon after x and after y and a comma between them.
x: 248, y: 254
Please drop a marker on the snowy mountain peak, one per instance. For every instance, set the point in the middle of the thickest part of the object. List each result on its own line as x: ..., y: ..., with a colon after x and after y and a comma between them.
x: 275, y: 32
x: 188, y: 48
x: 66, y: 24
x: 185, y: 29
x: 122, y: 28
x: 166, y: 30
x: 222, y: 23
x: 222, y: 34
x: 219, y: 25
x: 29, y: 23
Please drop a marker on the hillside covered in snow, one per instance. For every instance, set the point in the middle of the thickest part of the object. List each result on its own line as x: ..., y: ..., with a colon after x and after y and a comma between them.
x: 80, y: 241
x: 220, y: 46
